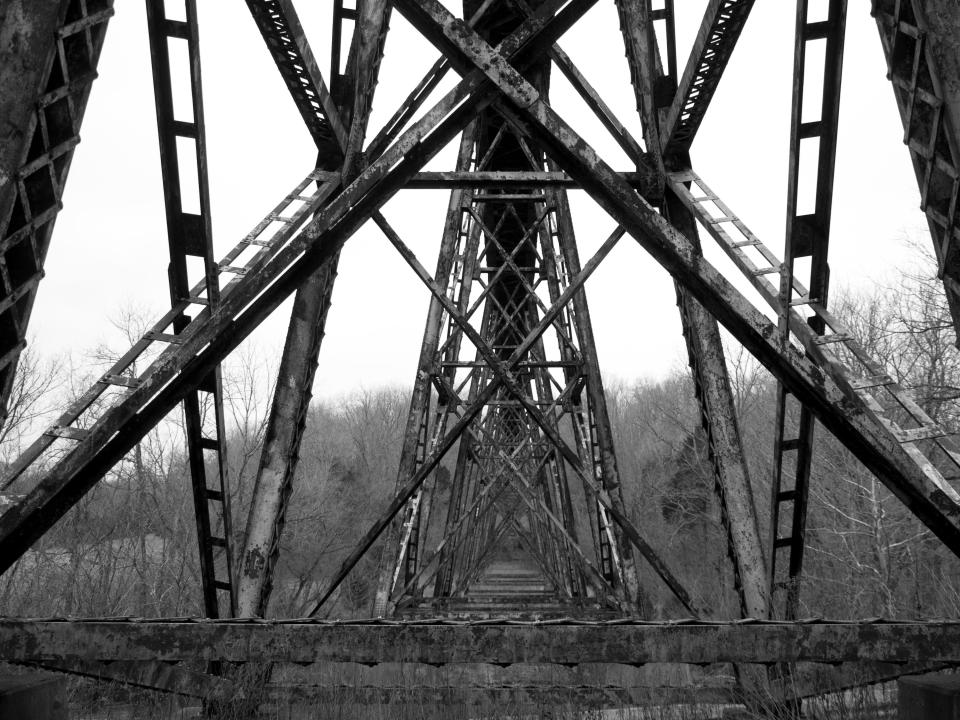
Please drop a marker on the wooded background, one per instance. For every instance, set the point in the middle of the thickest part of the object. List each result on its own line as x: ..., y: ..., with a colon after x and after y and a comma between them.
x: 129, y: 548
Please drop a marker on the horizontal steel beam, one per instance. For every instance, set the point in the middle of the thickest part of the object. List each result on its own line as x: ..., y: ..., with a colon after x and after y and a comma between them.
x: 630, y: 642
x: 644, y: 183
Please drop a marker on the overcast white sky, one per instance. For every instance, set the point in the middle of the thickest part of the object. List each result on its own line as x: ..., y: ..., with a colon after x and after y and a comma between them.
x: 109, y: 248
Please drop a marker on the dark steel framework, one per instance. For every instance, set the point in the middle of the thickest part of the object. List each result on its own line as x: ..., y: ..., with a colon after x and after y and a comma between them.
x: 525, y: 406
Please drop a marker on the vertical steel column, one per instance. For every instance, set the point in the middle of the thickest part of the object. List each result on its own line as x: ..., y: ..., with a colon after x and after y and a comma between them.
x: 704, y: 345
x: 416, y: 434
x: 280, y: 27
x: 807, y: 235
x: 599, y: 417
x: 190, y: 236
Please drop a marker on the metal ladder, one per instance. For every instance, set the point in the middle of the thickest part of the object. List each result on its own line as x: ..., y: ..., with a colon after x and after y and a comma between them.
x: 158, y: 343
x: 866, y: 379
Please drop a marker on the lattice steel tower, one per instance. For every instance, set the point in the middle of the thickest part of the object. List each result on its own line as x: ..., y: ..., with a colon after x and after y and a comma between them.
x: 532, y: 521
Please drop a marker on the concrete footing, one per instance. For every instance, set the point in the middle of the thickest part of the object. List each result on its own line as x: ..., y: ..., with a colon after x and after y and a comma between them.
x: 34, y: 696
x: 929, y: 697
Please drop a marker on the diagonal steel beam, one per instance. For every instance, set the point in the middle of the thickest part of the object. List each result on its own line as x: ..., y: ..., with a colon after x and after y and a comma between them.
x: 212, y: 335
x: 720, y: 29
x: 607, y: 494
x: 840, y: 412
x: 705, y: 351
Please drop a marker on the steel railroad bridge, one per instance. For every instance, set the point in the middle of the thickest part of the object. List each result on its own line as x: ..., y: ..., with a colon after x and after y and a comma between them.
x: 533, y: 590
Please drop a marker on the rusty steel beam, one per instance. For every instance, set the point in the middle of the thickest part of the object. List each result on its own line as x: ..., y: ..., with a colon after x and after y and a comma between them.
x: 255, y: 295
x: 280, y: 28
x: 706, y: 357
x: 506, y: 179
x: 281, y: 443
x: 920, y: 42
x: 48, y: 61
x: 807, y: 235
x: 841, y: 411
x: 190, y: 235
x: 720, y: 29
x: 718, y: 415
x: 629, y: 642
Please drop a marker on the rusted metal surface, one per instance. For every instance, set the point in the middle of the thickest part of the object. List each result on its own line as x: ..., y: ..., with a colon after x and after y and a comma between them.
x: 723, y: 21
x: 919, y: 39
x: 190, y: 235
x: 707, y: 360
x: 287, y: 420
x: 244, y: 303
x: 516, y: 179
x: 807, y: 235
x: 840, y: 410
x: 734, y: 491
x: 564, y: 642
x: 281, y: 443
x: 510, y: 534
x: 865, y: 383
x: 48, y: 61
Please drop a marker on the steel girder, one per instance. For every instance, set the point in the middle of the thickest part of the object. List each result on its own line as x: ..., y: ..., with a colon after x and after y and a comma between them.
x: 701, y: 332
x: 827, y: 391
x: 100, y: 449
x: 919, y: 39
x: 285, y: 260
x: 807, y: 235
x: 190, y: 234
x: 518, y: 242
x: 280, y: 27
x: 48, y: 61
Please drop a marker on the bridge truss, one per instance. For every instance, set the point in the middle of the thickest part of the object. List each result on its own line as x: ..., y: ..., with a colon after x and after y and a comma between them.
x: 508, y: 382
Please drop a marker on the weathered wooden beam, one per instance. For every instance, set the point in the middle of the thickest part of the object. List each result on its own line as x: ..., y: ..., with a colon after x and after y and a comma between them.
x: 629, y: 642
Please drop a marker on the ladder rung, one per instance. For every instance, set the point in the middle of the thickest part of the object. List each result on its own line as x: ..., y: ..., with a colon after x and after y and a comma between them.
x: 222, y: 585
x: 925, y: 432
x: 123, y: 380
x: 783, y: 542
x: 208, y: 443
x: 745, y: 243
x: 233, y: 269
x: 177, y: 29
x: 214, y: 495
x: 724, y: 219
x: 766, y: 271
x: 787, y: 496
x: 70, y: 433
x: 197, y: 300
x: 790, y: 444
x: 217, y: 541
x: 163, y: 337
x: 871, y: 381
x: 827, y: 339
x: 184, y: 129
x: 811, y: 129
